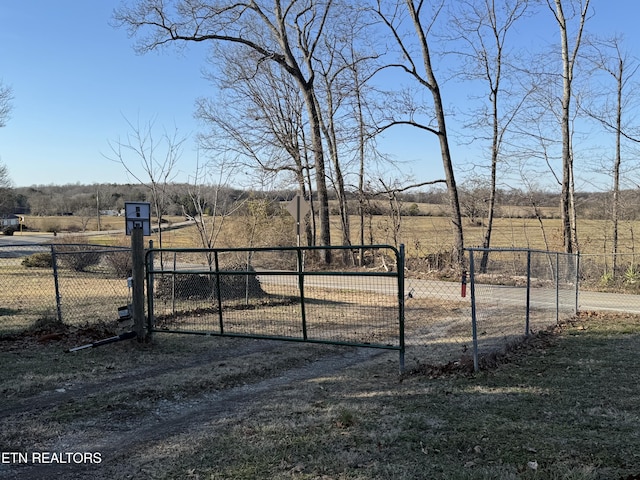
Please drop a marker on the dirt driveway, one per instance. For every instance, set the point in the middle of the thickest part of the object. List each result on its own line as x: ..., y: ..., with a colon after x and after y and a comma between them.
x: 125, y: 411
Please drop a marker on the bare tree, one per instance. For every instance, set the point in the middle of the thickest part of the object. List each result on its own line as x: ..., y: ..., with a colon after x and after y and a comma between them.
x: 579, y: 10
x: 212, y: 207
x: 7, y: 195
x: 287, y: 33
x: 343, y: 95
x: 483, y: 27
x: 258, y: 119
x: 156, y: 157
x: 608, y: 56
x: 6, y: 104
x: 6, y: 191
x: 418, y: 65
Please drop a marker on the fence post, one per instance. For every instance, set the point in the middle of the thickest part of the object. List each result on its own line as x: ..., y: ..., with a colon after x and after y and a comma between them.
x: 577, y: 287
x: 303, y: 309
x: 137, y: 267
x: 557, y: 288
x: 400, y: 263
x: 173, y: 284
x: 528, y: 301
x: 218, y: 286
x: 150, y: 282
x: 474, y: 326
x: 54, y: 265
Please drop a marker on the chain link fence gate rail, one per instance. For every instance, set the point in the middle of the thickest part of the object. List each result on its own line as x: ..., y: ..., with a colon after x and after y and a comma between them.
x: 72, y: 283
x: 515, y: 292
x: 283, y: 293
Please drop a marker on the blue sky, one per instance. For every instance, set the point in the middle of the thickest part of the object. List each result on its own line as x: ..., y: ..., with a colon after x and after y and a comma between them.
x: 76, y: 82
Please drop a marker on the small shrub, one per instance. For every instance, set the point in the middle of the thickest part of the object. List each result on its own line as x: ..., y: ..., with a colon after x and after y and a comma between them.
x: 10, y: 230
x: 606, y: 279
x: 195, y: 286
x: 188, y: 286
x: 38, y: 260
x: 77, y: 257
x: 631, y: 275
x: 51, y: 226
x: 119, y: 262
x: 413, y: 210
x: 48, y: 323
x: 346, y: 419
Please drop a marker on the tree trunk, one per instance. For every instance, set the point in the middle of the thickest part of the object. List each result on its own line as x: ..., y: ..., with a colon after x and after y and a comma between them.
x: 321, y: 181
x: 432, y: 85
x: 567, y: 199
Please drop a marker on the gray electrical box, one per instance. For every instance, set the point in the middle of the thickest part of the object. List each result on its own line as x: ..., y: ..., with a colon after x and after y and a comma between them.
x: 138, y: 215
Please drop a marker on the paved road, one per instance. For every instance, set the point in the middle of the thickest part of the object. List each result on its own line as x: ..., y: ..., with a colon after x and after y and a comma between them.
x: 615, y: 302
x: 450, y: 291
x: 25, y: 239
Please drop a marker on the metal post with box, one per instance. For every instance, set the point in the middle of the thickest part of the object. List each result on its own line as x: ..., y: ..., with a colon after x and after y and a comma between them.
x: 138, y: 224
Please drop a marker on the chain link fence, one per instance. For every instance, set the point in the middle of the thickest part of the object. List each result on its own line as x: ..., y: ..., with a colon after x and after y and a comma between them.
x: 437, y: 320
x: 73, y: 284
x: 510, y: 293
x: 516, y: 292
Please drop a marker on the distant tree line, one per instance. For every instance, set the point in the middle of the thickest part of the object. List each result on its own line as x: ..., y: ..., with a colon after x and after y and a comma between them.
x: 87, y: 200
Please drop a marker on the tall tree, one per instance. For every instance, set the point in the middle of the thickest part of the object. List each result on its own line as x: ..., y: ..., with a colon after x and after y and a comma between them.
x: 417, y: 63
x: 483, y: 27
x: 7, y: 194
x: 343, y: 73
x: 579, y: 10
x: 288, y: 33
x: 610, y: 110
x: 258, y: 116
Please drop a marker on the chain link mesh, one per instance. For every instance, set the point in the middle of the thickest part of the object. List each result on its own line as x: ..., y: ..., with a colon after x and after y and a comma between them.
x: 259, y: 291
x: 74, y: 284
x: 518, y: 292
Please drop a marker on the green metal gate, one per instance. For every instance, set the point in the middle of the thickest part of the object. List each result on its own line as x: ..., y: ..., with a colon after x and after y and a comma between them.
x: 283, y: 293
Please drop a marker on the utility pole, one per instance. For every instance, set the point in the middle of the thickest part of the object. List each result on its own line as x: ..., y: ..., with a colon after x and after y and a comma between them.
x: 98, y: 207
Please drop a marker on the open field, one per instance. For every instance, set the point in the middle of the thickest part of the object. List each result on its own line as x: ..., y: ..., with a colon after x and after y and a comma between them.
x: 223, y: 408
x: 421, y: 234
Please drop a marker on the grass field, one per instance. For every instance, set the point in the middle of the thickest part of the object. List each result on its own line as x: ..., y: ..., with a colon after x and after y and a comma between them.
x: 564, y: 406
x: 421, y: 234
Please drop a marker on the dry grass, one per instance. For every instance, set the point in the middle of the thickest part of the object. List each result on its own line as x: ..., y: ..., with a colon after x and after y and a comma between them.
x: 186, y: 410
x: 29, y: 294
x: 422, y: 235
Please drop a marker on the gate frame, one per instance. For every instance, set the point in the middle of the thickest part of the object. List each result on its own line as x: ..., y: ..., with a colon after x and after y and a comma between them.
x: 300, y: 273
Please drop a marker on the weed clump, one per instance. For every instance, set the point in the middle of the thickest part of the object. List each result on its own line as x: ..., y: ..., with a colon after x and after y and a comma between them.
x: 38, y: 260
x: 204, y: 286
x: 48, y: 323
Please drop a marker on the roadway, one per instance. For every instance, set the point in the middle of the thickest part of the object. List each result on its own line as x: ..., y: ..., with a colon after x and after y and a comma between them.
x: 416, y: 288
x: 544, y: 298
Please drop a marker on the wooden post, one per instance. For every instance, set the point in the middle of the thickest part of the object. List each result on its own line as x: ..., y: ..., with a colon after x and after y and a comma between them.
x: 137, y: 257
